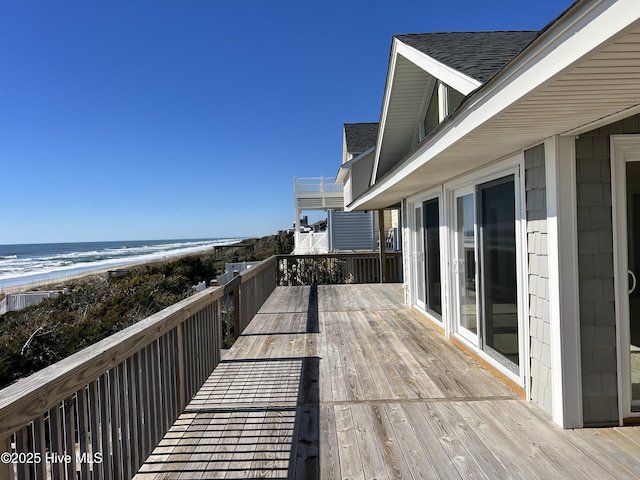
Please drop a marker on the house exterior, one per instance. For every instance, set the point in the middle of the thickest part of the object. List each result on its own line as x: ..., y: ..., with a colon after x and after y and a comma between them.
x: 345, y: 231
x: 358, y: 153
x: 515, y: 158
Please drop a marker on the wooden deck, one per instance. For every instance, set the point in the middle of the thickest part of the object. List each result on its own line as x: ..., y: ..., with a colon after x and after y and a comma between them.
x: 346, y: 382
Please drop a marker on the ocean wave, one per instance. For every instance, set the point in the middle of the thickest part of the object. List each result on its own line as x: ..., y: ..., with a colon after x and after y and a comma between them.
x: 94, y: 257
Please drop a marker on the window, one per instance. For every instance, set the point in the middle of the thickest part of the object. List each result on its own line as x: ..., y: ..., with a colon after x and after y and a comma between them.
x: 443, y: 100
x: 432, y: 116
x: 454, y: 99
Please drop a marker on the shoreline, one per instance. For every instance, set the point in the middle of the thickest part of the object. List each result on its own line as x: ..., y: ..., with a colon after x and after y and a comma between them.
x: 57, y: 279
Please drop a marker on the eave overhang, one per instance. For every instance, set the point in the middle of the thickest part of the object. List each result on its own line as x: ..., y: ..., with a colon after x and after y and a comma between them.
x: 585, y: 67
x: 343, y: 171
x: 410, y: 76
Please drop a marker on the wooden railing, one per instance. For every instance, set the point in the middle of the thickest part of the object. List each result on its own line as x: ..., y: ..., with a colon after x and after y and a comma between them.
x: 247, y: 292
x: 337, y: 268
x: 99, y: 413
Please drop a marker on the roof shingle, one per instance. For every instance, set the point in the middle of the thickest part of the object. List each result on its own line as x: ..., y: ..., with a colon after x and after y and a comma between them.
x: 479, y: 55
x: 360, y: 136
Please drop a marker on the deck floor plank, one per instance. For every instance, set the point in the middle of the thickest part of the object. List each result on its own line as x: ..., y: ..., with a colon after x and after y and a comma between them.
x: 419, y: 445
x: 329, y: 453
x: 346, y: 382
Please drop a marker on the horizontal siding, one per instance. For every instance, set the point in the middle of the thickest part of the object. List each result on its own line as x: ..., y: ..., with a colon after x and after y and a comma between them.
x: 352, y: 230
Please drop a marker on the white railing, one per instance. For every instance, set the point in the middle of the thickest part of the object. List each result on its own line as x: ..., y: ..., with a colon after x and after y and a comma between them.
x: 311, y: 242
x: 319, y: 185
x: 19, y: 301
x: 229, y: 268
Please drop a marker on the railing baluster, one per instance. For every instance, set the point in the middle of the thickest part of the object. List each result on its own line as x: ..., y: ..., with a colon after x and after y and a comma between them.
x: 104, y: 426
x: 39, y: 448
x: 55, y: 442
x: 94, y: 428
x: 134, y: 418
x: 156, y: 416
x: 123, y: 421
x: 166, y: 381
x: 24, y: 464
x: 82, y: 417
x: 144, y: 404
x: 69, y: 422
x: 180, y: 357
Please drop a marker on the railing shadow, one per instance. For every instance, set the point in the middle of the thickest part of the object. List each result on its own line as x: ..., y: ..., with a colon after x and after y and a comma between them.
x: 253, y: 418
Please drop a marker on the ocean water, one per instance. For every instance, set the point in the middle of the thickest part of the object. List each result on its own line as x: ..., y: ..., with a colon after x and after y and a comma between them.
x: 33, y: 263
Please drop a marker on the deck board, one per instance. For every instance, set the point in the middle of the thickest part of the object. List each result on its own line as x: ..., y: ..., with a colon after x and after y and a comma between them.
x: 347, y: 382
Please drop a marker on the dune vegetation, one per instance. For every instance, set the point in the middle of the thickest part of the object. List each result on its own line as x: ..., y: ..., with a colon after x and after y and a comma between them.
x: 98, y: 306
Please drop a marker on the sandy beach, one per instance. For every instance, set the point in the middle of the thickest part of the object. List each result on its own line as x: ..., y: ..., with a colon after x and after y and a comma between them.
x: 57, y: 280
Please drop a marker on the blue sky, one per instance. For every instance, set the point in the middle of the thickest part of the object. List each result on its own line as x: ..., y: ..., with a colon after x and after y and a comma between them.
x: 157, y: 119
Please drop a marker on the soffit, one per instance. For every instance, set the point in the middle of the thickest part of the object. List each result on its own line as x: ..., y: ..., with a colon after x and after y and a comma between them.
x: 406, y: 99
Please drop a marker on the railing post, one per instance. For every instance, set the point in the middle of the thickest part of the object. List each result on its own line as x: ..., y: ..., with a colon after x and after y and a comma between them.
x: 382, y: 243
x: 181, y: 370
x: 237, y: 321
x: 6, y: 468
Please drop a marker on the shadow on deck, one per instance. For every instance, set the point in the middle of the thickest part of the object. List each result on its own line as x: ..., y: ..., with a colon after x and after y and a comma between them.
x: 346, y: 382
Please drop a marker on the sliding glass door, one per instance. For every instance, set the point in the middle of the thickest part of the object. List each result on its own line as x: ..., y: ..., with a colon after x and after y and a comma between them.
x: 497, y: 222
x: 484, y: 268
x: 426, y: 257
x: 464, y: 264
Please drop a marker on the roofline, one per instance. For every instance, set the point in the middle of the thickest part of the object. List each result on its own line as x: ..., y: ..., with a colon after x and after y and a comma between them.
x: 347, y: 165
x: 449, y: 75
x: 452, y: 77
x: 562, y: 43
x: 385, y: 107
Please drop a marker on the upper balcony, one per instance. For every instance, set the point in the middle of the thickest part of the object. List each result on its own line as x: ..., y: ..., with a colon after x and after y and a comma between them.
x: 321, y: 193
x: 325, y: 381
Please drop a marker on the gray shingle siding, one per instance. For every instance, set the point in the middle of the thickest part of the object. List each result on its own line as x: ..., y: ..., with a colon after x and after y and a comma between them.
x: 479, y: 55
x: 538, y: 251
x: 595, y: 272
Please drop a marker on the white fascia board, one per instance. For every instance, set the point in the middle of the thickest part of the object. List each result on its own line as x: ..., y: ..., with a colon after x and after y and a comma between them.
x: 343, y: 173
x: 571, y: 39
x: 346, y: 166
x: 385, y: 106
x: 447, y: 75
x: 455, y: 79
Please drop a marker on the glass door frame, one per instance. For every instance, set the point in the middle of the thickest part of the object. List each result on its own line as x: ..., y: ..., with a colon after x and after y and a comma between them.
x: 624, y: 149
x: 419, y: 249
x: 457, y: 264
x: 418, y: 254
x: 513, y: 166
x: 483, y: 322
